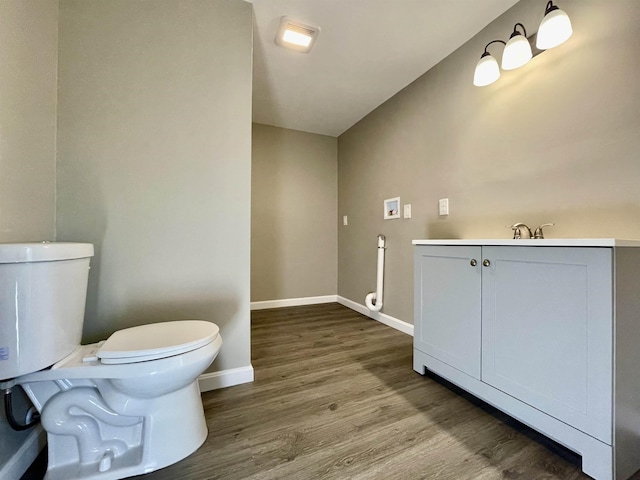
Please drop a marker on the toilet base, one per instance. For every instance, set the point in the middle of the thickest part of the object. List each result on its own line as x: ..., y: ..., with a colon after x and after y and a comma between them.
x: 125, y: 465
x: 169, y: 429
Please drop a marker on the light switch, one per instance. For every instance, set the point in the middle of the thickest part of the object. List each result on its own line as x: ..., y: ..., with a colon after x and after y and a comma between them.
x: 407, y: 210
x: 443, y: 206
x: 345, y: 221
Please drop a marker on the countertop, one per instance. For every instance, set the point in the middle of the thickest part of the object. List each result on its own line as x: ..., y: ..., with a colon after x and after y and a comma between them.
x: 546, y: 242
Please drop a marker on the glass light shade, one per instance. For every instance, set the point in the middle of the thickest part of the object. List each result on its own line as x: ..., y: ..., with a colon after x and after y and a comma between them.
x: 487, y: 71
x: 516, y: 53
x: 555, y: 29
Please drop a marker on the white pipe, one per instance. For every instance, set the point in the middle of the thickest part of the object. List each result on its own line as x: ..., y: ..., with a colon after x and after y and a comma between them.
x: 373, y: 300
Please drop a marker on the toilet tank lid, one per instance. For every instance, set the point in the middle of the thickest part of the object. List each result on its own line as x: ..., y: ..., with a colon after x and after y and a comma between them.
x: 157, y: 340
x: 43, y: 252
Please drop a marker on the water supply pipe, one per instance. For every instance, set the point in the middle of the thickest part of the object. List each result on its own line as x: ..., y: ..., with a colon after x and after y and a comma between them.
x: 373, y: 300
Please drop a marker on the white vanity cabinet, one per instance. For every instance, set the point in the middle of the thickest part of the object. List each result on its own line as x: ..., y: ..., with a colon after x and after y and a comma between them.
x: 547, y: 331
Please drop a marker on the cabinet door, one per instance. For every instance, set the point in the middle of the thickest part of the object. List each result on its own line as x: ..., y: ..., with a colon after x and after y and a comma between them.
x: 547, y: 331
x: 447, y: 305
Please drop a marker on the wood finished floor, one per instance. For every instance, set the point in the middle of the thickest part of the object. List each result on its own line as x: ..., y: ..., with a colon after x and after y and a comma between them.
x: 335, y: 397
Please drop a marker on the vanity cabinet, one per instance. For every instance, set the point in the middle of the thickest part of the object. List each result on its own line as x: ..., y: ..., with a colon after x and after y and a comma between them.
x: 535, y: 329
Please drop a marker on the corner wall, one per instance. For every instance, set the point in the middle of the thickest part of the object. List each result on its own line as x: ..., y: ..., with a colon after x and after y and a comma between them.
x: 154, y: 162
x: 294, y: 238
x: 28, y: 89
x: 554, y: 141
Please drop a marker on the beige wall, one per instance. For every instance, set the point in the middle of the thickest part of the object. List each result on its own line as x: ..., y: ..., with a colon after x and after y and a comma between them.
x: 154, y: 161
x: 28, y: 70
x: 28, y: 64
x: 555, y: 141
x: 293, y: 214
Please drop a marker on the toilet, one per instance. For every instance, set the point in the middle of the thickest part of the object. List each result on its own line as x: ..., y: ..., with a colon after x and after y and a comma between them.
x: 125, y: 406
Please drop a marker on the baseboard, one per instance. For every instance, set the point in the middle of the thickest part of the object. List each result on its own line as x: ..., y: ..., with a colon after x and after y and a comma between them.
x: 26, y: 454
x: 293, y: 302
x: 388, y: 320
x: 225, y: 378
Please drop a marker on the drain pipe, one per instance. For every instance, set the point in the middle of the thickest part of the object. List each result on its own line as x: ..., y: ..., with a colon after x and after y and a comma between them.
x: 32, y: 416
x: 373, y: 300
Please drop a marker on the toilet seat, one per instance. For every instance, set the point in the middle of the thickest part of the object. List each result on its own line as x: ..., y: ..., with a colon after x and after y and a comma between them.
x: 155, y: 341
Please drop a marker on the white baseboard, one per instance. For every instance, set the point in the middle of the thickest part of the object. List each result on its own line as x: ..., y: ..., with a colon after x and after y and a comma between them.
x: 225, y: 378
x: 388, y: 320
x: 293, y: 302
x: 26, y: 454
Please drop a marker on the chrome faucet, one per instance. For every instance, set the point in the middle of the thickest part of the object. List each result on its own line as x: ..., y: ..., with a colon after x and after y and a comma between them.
x: 520, y: 230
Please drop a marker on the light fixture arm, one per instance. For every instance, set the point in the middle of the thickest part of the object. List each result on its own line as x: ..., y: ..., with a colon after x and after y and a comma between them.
x: 487, y: 46
x: 550, y: 7
x: 516, y: 32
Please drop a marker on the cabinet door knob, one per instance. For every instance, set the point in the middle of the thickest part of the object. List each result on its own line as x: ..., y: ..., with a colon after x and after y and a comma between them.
x: 473, y: 262
x: 486, y: 262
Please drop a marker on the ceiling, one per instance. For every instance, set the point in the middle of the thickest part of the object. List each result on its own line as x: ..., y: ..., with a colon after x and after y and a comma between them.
x: 367, y: 51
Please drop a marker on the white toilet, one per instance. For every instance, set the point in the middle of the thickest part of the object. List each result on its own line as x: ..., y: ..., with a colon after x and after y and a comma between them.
x: 122, y: 407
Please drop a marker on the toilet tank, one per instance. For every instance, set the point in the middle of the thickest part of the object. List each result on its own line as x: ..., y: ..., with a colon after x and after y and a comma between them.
x: 43, y: 288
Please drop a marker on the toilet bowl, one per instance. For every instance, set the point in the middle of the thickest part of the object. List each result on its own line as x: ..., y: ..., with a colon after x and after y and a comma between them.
x: 122, y: 407
x: 111, y: 413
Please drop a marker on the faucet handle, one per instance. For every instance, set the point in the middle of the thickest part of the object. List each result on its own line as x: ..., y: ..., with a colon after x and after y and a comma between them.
x: 538, y: 233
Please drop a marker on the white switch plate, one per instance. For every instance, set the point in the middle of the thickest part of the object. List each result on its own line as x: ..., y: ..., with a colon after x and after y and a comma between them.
x: 443, y: 206
x: 345, y: 220
x: 407, y: 210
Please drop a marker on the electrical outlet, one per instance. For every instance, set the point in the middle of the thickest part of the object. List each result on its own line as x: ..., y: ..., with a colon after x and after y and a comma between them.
x: 443, y: 206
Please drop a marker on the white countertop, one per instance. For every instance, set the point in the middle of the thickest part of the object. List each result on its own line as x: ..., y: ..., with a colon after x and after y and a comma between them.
x: 547, y: 242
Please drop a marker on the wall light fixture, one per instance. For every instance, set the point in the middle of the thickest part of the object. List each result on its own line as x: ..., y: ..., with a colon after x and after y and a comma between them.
x: 554, y: 30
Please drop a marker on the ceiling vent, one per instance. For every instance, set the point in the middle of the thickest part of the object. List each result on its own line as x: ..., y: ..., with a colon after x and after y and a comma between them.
x: 295, y: 35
